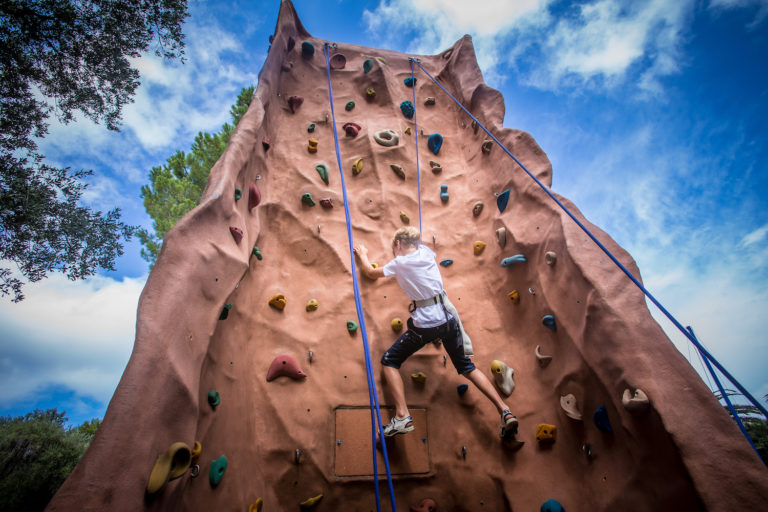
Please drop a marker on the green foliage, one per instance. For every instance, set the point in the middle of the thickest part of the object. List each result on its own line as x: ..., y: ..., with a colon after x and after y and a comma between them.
x: 754, y: 422
x: 37, y: 453
x: 62, y: 57
x: 176, y: 187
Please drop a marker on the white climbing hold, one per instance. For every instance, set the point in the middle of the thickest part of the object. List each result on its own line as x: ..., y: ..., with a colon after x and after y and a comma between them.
x: 502, y: 375
x: 550, y: 257
x: 541, y: 358
x: 501, y: 236
x: 571, y: 408
x: 637, y: 402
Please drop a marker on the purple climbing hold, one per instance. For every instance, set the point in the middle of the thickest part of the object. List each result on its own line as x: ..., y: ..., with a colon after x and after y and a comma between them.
x: 434, y: 142
x: 461, y: 389
x: 502, y: 200
x: 410, y: 81
x: 601, y: 420
x: 237, y: 233
x: 294, y: 102
x: 407, y: 109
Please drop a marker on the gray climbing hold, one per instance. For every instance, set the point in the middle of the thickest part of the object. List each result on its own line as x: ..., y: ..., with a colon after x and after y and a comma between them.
x: 512, y: 260
x: 398, y: 169
x: 477, y: 208
x: 386, y: 138
x: 322, y: 170
x: 306, y: 198
x: 429, y: 101
x: 444, y: 193
x: 549, y: 322
x: 436, y: 167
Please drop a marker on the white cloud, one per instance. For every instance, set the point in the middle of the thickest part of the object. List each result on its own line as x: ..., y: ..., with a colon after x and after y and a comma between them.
x: 755, y: 236
x: 718, y: 6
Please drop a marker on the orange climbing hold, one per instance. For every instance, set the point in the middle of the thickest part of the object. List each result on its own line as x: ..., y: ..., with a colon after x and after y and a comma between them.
x: 278, y: 301
x: 312, y: 145
x: 285, y: 366
x: 479, y: 247
x: 546, y: 433
x: 256, y: 505
x: 514, y: 296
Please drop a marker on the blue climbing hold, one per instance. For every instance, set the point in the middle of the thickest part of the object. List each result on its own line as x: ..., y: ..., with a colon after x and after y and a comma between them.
x: 444, y: 192
x: 434, y: 142
x: 410, y: 81
x: 552, y: 506
x: 517, y: 258
x: 502, y: 200
x: 407, y: 108
x: 445, y: 263
x: 307, y: 49
x: 601, y: 420
x: 549, y: 322
x: 461, y: 389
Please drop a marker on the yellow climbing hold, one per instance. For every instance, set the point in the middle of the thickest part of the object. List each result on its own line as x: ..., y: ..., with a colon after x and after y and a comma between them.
x: 370, y: 92
x: 419, y: 377
x: 256, y: 505
x: 407, y: 130
x: 310, y: 503
x: 397, y: 324
x: 312, y: 305
x: 169, y: 465
x: 357, y: 167
x: 312, y: 145
x: 277, y: 301
x: 514, y: 296
x: 479, y: 247
x: 404, y: 217
x: 196, y: 450
x: 381, y: 59
x: 546, y: 433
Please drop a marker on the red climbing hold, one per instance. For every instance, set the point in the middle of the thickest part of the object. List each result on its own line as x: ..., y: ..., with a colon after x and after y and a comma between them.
x: 326, y: 203
x: 295, y: 102
x: 352, y: 129
x: 285, y: 366
x: 254, y: 196
x: 265, y: 143
x: 426, y: 505
x: 237, y: 233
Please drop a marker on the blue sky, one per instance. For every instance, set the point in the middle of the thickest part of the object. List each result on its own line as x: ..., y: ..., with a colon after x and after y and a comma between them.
x: 653, y: 114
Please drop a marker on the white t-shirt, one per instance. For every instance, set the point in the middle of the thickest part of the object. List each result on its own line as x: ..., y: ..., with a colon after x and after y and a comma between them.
x: 418, y: 276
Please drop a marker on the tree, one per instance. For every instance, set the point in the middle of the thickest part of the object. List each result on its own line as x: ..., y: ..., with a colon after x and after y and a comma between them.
x: 37, y: 453
x: 754, y: 423
x: 63, y: 57
x: 176, y: 187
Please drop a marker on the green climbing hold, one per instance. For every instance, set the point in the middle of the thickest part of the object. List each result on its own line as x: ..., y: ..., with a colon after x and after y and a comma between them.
x: 238, y: 194
x: 322, y: 169
x: 306, y: 198
x: 311, y: 128
x: 307, y: 49
x: 225, y: 312
x: 349, y: 106
x: 351, y: 326
x: 214, y: 398
x: 256, y: 252
x: 367, y: 65
x: 218, y: 467
x: 410, y: 81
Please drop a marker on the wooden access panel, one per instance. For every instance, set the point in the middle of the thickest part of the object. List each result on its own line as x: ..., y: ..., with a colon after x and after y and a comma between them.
x: 408, y: 453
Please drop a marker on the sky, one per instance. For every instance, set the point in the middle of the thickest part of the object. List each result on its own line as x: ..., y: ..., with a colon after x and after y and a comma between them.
x: 653, y: 114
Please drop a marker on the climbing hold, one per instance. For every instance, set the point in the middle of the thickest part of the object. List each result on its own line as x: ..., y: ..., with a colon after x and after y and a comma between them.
x: 311, y: 127
x: 571, y: 408
x: 197, y: 449
x: 479, y: 247
x: 367, y: 65
x: 238, y: 194
x: 306, y: 198
x: 541, y: 358
x: 487, y: 145
x: 169, y: 465
x: 294, y: 102
x: 291, y: 44
x: 322, y: 170
x: 550, y: 257
x: 404, y: 217
x: 351, y: 129
x: 419, y: 377
x: 386, y: 137
x: 434, y: 142
x: 462, y: 388
x: 444, y: 192
x: 601, y: 420
x: 426, y: 505
x: 312, y: 305
x: 370, y: 93
x: 278, y: 301
x: 445, y: 263
x: 225, y: 311
x: 381, y: 59
x: 502, y: 200
x: 477, y: 208
x: 430, y: 100
x: 351, y: 326
x: 549, y: 322
x: 512, y: 260
x: 216, y: 473
x: 307, y: 49
x: 312, y: 145
x: 502, y: 375
x: 349, y: 106
x: 310, y: 356
x: 357, y: 167
x: 407, y: 130
x: 326, y: 202
x: 237, y: 233
x: 310, y: 503
x: 501, y: 236
x: 531, y: 290
x: 410, y: 81
x: 436, y: 167
x: 514, y: 296
x: 254, y: 196
x: 546, y: 433
x: 397, y: 324
x: 256, y: 252
x: 214, y: 398
x: 265, y: 141
x: 338, y: 61
x: 636, y: 403
x: 398, y: 169
x: 256, y: 505
x: 552, y: 506
x: 407, y: 109
x: 475, y: 126
x: 286, y: 66
x: 285, y: 365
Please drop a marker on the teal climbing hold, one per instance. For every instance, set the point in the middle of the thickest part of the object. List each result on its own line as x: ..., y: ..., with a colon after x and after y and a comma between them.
x: 434, y: 142
x: 214, y: 398
x: 307, y: 49
x: 461, y: 389
x: 552, y: 506
x: 367, y: 65
x: 444, y: 192
x: 445, y: 263
x: 549, y: 322
x: 322, y: 169
x: 225, y: 312
x: 407, y: 109
x: 502, y: 200
x: 349, y: 106
x: 256, y: 252
x: 517, y: 258
x: 351, y: 326
x: 238, y: 194
x: 410, y: 81
x: 218, y: 467
x: 601, y: 420
x: 306, y: 198
x: 311, y: 128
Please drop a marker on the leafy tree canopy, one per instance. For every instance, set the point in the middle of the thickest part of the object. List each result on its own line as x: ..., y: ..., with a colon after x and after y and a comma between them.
x: 176, y: 187
x: 62, y: 57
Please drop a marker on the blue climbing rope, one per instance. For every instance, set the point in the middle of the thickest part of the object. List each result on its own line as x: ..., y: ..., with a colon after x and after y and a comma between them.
x: 372, y: 394
x: 648, y: 294
x: 416, y: 137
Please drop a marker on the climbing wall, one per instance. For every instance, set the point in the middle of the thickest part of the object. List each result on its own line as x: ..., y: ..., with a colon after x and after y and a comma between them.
x: 247, y: 383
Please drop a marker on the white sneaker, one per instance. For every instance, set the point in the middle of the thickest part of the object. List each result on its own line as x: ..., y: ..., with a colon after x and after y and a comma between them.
x: 397, y: 426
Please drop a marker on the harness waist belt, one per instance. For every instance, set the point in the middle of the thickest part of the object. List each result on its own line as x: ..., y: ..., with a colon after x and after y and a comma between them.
x: 448, y: 307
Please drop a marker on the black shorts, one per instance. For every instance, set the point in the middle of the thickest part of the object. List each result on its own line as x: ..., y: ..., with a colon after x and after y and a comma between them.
x: 416, y: 337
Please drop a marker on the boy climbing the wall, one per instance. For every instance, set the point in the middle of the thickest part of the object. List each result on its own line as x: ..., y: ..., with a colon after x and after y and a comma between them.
x: 432, y: 317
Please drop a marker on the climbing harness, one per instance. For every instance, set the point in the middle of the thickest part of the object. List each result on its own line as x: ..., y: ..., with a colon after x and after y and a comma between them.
x: 448, y: 307
x: 372, y: 394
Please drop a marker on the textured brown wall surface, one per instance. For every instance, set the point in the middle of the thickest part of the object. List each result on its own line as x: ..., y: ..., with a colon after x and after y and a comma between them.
x: 685, y: 454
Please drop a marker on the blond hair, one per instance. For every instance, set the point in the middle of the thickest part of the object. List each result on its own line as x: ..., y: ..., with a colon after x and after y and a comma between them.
x: 408, y: 235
